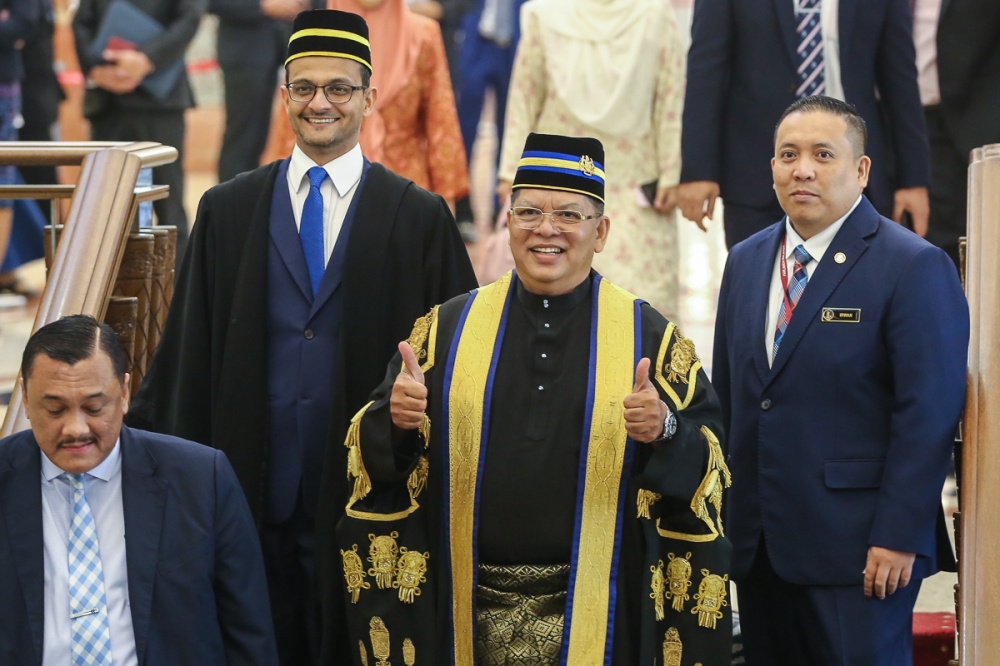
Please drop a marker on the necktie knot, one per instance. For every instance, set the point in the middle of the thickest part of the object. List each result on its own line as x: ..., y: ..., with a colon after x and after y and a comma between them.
x: 316, y: 176
x: 801, y: 255
x: 76, y: 481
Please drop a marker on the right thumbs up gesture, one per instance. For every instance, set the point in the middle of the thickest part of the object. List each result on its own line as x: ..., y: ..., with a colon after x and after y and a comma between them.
x: 409, y: 395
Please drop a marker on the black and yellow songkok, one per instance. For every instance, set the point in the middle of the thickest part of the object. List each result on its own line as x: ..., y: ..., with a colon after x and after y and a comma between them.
x: 331, y: 33
x: 570, y: 164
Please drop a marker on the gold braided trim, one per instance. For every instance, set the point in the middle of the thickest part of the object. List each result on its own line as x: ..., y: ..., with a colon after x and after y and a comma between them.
x: 327, y: 54
x: 327, y: 32
x: 645, y: 499
x: 355, y: 464
x: 535, y: 186
x: 681, y: 536
x: 425, y: 333
x: 717, y: 477
x: 684, y: 365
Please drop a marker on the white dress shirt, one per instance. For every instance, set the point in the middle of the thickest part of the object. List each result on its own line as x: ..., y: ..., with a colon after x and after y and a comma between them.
x: 828, y: 17
x: 337, y: 190
x: 816, y: 247
x: 103, y: 488
x: 925, y: 24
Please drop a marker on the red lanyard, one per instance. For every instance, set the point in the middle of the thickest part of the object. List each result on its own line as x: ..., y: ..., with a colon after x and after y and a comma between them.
x: 784, y: 279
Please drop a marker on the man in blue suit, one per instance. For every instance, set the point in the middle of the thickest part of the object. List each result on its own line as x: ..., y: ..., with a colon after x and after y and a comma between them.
x: 750, y: 59
x: 119, y: 546
x: 840, y: 351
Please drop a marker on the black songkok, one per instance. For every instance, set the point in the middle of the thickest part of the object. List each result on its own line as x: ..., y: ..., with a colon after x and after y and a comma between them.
x: 332, y: 33
x: 553, y: 162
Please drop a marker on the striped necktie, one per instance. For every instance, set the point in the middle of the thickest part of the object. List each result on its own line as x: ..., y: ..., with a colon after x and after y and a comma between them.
x: 812, y: 69
x: 311, y: 228
x: 90, y: 633
x: 795, y: 289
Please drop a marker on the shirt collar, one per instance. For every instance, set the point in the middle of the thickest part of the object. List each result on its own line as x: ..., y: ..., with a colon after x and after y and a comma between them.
x: 818, y: 244
x: 104, y: 471
x: 344, y: 172
x: 558, y: 303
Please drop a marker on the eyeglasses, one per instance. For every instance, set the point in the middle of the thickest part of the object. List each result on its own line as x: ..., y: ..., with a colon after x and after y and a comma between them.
x: 562, y: 220
x: 335, y: 93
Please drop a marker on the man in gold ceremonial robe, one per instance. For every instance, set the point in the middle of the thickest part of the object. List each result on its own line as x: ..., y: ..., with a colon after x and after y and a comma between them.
x: 538, y: 480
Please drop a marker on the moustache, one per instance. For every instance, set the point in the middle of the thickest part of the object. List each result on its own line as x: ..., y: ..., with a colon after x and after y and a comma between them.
x: 76, y: 441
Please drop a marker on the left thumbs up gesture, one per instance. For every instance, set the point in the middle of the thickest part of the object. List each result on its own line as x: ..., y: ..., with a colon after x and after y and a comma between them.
x: 644, y: 411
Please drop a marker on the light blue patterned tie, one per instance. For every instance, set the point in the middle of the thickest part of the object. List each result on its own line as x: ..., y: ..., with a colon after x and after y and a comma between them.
x: 795, y: 289
x: 812, y: 68
x: 91, y: 636
x: 311, y: 228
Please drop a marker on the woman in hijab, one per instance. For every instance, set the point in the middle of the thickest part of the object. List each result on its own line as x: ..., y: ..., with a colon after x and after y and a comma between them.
x: 613, y: 70
x: 414, y: 129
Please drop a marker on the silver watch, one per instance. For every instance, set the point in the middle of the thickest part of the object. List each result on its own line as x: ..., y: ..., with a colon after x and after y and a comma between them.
x: 669, y: 427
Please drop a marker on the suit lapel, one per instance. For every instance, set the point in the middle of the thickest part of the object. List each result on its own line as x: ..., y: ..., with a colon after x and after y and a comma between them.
x: 786, y: 18
x: 21, y: 499
x: 285, y: 236
x: 144, y: 497
x: 764, y: 259
x: 850, y: 241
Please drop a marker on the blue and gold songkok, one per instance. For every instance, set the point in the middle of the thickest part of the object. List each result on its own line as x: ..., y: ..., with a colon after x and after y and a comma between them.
x: 569, y: 164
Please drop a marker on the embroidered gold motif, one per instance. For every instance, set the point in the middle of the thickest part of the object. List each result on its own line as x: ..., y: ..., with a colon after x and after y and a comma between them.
x: 418, y: 478
x: 355, y: 464
x: 646, y: 499
x: 682, y: 357
x: 680, y: 403
x: 424, y: 332
x: 711, y: 598
x: 354, y: 573
x: 672, y: 647
x: 410, y: 570
x: 587, y: 165
x: 678, y: 580
x: 716, y: 478
x: 380, y: 641
x: 409, y: 652
x: 364, y: 653
x: 657, y: 594
x: 382, y: 554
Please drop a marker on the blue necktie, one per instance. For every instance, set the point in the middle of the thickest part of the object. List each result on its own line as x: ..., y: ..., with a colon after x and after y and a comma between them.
x: 311, y: 228
x: 795, y: 288
x: 812, y: 69
x: 90, y: 633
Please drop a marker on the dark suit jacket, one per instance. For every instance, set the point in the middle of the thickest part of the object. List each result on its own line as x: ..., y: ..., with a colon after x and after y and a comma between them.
x: 195, y: 571
x: 180, y: 18
x: 844, y: 443
x: 24, y: 16
x: 968, y: 59
x: 742, y: 76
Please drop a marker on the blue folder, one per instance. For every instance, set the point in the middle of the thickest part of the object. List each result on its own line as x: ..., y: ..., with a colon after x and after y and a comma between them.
x: 125, y: 20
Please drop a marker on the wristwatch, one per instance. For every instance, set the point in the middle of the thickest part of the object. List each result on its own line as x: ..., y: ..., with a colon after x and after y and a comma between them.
x: 669, y: 427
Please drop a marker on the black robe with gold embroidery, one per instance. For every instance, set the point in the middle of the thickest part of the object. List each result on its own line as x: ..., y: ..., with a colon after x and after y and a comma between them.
x: 528, y: 489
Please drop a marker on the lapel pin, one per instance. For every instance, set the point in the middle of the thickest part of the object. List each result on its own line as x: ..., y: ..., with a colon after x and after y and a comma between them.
x: 840, y: 257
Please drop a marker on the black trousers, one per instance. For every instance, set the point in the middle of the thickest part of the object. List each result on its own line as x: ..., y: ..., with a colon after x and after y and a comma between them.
x: 949, y: 186
x: 162, y: 126
x: 290, y: 564
x: 249, y: 95
x: 822, y: 625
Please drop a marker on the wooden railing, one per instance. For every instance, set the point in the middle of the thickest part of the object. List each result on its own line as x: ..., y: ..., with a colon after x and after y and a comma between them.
x: 978, y: 525
x: 95, y: 267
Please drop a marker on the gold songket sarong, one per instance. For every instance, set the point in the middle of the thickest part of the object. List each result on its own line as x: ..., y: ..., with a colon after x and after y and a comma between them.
x: 519, y: 614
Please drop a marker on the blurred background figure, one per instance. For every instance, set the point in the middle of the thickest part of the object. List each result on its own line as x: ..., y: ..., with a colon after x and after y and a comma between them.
x: 17, y: 21
x: 614, y: 70
x: 750, y: 59
x: 414, y: 129
x: 958, y: 68
x: 119, y: 110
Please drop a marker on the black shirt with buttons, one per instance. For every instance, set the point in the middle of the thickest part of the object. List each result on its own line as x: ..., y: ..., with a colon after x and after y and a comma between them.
x: 528, y: 499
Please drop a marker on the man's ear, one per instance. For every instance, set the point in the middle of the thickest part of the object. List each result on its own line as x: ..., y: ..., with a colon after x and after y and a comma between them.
x: 603, y: 227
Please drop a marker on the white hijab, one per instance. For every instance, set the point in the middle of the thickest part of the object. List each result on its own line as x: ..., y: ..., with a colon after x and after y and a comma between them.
x: 603, y: 58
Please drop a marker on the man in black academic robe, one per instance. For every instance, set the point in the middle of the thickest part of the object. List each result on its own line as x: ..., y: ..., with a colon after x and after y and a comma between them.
x: 475, y: 523
x: 247, y: 336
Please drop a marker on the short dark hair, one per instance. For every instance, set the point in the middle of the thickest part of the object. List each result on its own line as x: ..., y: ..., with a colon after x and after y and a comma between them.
x: 71, y: 340
x: 366, y: 75
x: 857, y: 131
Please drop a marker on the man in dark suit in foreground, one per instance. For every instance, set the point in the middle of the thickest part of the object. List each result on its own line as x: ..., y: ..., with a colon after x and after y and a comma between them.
x: 840, y: 350
x: 118, y: 545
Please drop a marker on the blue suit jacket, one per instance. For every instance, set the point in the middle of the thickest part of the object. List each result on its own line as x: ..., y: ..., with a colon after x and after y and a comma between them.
x: 195, y: 571
x: 742, y: 76
x: 844, y: 443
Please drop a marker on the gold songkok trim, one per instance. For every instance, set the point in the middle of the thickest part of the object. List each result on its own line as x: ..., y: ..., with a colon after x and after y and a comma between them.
x: 578, y: 165
x: 328, y: 54
x: 530, y: 186
x: 327, y: 32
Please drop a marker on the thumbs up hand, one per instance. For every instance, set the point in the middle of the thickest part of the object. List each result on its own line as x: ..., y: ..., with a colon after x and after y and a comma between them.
x: 644, y: 411
x: 409, y: 395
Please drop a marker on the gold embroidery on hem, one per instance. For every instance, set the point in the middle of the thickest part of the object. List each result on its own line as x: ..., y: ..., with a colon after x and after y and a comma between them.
x: 409, y: 652
x: 645, y: 499
x: 656, y: 583
x: 354, y: 573
x: 364, y: 653
x: 678, y: 580
x: 382, y: 555
x: 711, y: 598
x: 672, y: 647
x: 410, y: 570
x: 682, y: 536
x: 380, y: 641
